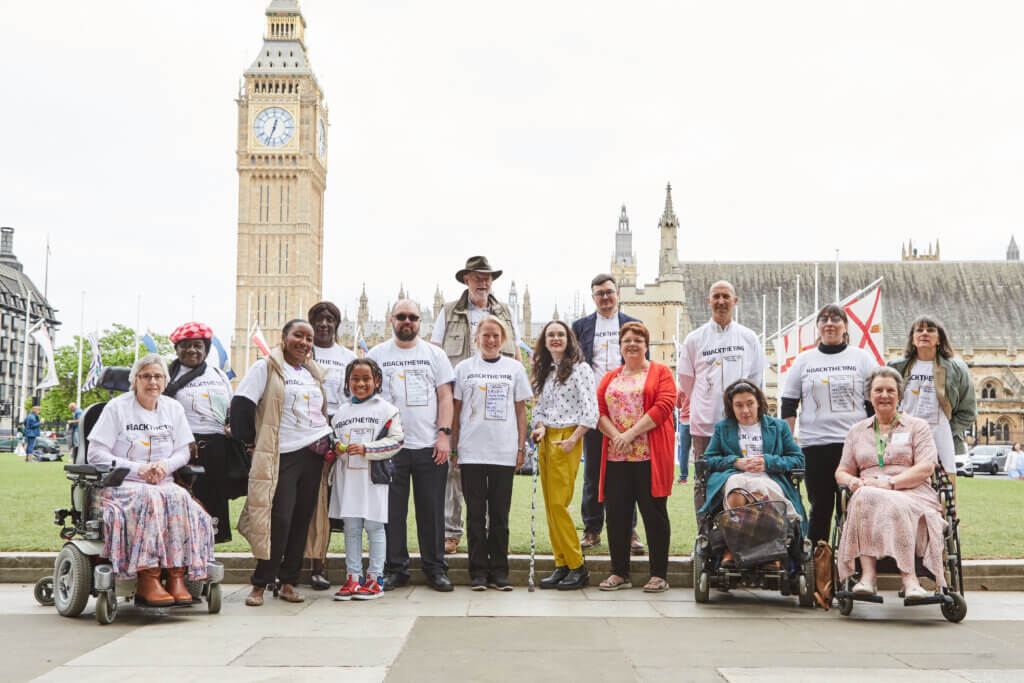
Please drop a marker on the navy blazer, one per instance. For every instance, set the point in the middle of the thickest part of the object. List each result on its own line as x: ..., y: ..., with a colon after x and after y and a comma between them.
x: 584, y: 331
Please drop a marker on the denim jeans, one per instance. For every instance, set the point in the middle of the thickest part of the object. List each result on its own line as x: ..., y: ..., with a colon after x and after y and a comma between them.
x: 354, y: 546
x: 683, y: 449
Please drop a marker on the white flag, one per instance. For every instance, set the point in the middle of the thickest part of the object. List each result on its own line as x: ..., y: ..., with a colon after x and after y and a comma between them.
x: 791, y: 344
x: 43, y: 340
x: 865, y: 328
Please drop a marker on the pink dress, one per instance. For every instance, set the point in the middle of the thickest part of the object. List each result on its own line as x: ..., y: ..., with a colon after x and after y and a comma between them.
x: 625, y: 399
x: 892, y: 523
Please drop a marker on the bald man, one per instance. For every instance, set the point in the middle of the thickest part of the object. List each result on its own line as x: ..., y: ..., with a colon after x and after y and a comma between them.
x: 715, y: 355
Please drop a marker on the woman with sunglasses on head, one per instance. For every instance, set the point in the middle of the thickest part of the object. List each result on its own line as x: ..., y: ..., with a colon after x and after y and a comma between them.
x: 566, y: 409
x: 280, y: 410
x: 938, y: 389
x: 827, y: 384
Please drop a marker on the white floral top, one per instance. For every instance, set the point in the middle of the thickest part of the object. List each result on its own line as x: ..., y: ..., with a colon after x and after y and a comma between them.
x: 570, y: 404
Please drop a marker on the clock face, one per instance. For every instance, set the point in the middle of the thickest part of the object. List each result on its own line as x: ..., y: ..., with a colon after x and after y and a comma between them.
x: 321, y: 138
x: 274, y: 127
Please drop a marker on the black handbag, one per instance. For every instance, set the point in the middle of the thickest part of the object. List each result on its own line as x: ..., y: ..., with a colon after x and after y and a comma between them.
x: 382, y: 471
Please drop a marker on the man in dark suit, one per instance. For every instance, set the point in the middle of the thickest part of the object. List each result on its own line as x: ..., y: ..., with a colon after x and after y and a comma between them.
x: 598, y: 335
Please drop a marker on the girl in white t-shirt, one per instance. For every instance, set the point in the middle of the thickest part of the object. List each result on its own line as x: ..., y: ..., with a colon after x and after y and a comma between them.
x: 367, y: 428
x: 489, y: 431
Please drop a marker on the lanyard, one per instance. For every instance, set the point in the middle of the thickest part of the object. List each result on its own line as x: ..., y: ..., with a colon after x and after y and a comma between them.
x: 881, y: 443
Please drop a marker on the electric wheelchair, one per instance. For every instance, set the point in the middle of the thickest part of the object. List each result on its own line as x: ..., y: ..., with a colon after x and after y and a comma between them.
x: 951, y: 598
x: 770, y: 551
x: 79, y: 571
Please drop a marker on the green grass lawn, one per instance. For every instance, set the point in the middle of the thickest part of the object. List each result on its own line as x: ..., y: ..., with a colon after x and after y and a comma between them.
x: 30, y: 492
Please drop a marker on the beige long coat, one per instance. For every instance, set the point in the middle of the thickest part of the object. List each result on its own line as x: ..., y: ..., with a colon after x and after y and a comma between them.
x: 254, y: 523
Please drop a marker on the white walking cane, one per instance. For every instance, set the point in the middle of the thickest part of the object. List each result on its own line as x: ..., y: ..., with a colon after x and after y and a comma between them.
x: 533, y: 517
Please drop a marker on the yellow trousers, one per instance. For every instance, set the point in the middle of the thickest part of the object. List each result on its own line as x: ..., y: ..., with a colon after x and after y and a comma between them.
x: 558, y: 481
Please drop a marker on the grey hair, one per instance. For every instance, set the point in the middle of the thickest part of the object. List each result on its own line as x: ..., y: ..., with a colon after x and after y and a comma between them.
x: 146, y: 361
x: 887, y: 372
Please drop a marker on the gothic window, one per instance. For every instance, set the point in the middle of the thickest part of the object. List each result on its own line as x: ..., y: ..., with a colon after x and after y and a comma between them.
x: 988, y: 391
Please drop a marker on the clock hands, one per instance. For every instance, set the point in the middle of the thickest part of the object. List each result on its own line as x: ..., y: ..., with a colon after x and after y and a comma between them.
x: 273, y: 128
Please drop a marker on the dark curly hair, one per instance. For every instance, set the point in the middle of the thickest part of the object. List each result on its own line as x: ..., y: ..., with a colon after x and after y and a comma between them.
x: 743, y: 386
x: 378, y: 376
x: 543, y: 362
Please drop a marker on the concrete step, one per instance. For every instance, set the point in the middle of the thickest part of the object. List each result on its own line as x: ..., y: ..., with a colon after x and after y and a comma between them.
x: 979, y: 575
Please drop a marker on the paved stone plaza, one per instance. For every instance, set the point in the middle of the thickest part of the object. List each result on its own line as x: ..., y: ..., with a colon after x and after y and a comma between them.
x: 415, y: 634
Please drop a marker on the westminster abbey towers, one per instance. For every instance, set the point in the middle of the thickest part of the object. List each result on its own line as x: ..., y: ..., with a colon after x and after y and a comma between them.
x: 282, y: 174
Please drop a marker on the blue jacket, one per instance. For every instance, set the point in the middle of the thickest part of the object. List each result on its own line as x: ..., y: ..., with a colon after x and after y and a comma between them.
x: 584, y: 331
x: 781, y: 455
x: 31, y: 425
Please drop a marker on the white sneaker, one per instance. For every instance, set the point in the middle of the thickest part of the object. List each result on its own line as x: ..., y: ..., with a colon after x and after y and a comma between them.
x: 916, y: 593
x: 861, y: 588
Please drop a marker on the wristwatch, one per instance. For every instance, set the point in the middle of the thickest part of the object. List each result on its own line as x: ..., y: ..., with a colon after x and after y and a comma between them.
x: 446, y: 430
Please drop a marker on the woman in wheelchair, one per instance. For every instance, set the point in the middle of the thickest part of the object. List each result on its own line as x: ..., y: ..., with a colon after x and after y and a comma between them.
x: 750, y: 455
x: 149, y: 522
x: 887, y: 463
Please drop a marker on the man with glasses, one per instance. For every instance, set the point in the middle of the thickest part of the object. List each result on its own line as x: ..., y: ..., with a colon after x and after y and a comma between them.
x: 417, y: 379
x: 713, y: 356
x: 598, y: 335
x: 454, y: 331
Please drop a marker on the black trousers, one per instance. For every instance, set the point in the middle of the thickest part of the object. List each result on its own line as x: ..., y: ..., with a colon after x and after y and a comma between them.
x: 219, y: 483
x: 627, y: 484
x: 298, y: 482
x: 591, y: 509
x: 487, y: 490
x: 428, y: 481
x: 820, y: 480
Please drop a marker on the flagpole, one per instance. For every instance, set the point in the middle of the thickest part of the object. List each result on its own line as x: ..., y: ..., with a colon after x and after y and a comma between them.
x: 138, y: 324
x: 81, y: 333
x: 248, y: 333
x: 46, y: 270
x: 779, y: 332
x: 764, y: 323
x: 24, y: 355
x: 837, y: 277
x: 816, y: 309
x: 797, y: 318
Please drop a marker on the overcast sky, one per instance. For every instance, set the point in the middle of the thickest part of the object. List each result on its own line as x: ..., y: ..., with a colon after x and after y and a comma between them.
x: 787, y: 130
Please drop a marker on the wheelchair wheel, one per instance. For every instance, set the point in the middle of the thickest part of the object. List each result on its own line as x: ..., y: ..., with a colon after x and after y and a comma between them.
x: 43, y: 591
x: 213, y: 598
x: 805, y: 585
x: 72, y: 581
x: 106, y: 608
x: 957, y: 611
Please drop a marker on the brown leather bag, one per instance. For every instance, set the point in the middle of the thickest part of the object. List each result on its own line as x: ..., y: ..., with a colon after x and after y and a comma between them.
x: 824, y: 579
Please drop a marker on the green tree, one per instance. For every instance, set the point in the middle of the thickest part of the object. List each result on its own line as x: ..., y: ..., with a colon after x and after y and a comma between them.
x: 117, y: 348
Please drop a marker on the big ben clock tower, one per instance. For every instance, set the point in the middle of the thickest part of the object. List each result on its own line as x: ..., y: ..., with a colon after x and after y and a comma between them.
x: 282, y: 174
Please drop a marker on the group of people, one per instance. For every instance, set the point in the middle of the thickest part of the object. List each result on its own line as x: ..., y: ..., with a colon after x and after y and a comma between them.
x: 317, y: 439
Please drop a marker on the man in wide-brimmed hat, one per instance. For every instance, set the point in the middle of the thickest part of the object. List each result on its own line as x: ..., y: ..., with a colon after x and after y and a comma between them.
x: 453, y: 331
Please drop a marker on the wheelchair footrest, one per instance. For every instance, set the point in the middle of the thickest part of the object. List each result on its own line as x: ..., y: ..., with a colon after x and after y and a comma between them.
x: 930, y: 600
x: 862, y: 597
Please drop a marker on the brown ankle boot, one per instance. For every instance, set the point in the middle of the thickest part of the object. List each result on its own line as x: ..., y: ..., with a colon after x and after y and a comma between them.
x: 176, y: 587
x: 148, y: 590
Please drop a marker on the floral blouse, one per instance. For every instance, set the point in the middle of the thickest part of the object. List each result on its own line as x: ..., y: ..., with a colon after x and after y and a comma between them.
x: 625, y: 398
x: 570, y: 404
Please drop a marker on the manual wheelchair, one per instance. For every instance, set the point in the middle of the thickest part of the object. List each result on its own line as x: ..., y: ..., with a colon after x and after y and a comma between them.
x: 79, y: 571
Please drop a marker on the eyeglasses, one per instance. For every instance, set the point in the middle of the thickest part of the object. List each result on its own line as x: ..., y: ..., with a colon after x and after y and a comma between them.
x: 411, y: 317
x: 604, y: 292
x: 830, y: 319
x: 150, y: 378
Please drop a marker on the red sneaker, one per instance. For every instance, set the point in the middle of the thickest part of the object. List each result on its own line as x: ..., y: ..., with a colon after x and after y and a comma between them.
x: 369, y: 591
x: 350, y: 588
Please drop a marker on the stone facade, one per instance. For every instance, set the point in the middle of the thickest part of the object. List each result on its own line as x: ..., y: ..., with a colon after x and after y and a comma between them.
x: 282, y: 174
x: 981, y: 304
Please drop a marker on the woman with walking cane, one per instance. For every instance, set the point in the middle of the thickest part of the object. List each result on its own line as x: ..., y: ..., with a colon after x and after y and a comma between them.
x: 565, y: 410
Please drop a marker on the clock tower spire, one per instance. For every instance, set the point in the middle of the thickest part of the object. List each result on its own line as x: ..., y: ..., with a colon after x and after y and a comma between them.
x: 281, y: 158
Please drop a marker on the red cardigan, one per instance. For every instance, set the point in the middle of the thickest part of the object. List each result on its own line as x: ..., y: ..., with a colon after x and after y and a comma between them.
x: 659, y: 400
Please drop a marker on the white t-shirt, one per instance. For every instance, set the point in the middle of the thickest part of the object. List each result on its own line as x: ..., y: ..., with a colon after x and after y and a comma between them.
x: 488, y: 432
x: 475, y: 314
x: 411, y: 378
x: 830, y: 387
x: 302, y: 420
x: 353, y: 493
x: 334, y: 360
x: 920, y: 400
x: 712, y: 358
x: 134, y: 436
x: 751, y: 442
x: 607, y: 355
x: 205, y: 400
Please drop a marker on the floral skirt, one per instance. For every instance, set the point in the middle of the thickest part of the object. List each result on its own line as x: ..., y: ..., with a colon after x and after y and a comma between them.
x: 148, y: 526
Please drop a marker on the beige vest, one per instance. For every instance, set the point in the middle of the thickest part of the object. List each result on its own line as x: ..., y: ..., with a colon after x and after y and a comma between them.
x: 457, y: 343
x: 254, y: 523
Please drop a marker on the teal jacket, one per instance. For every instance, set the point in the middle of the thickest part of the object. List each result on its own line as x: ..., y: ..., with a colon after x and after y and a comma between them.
x: 781, y: 456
